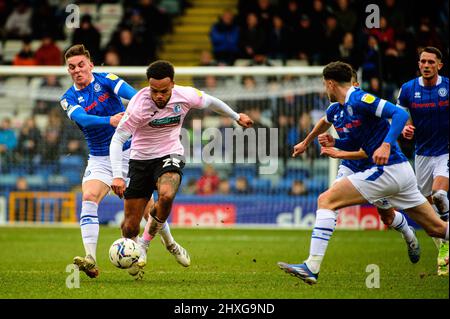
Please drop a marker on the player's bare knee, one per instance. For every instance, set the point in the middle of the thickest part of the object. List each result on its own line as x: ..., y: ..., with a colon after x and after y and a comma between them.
x: 90, y: 196
x: 324, y: 201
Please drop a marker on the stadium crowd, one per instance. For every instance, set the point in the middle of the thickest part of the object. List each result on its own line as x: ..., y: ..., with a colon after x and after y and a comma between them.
x: 257, y: 31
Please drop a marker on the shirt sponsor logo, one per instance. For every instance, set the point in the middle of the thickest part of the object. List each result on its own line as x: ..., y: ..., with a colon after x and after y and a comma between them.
x: 166, y: 122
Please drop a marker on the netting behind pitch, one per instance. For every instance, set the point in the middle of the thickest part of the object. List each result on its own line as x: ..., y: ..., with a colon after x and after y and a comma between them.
x: 232, y: 176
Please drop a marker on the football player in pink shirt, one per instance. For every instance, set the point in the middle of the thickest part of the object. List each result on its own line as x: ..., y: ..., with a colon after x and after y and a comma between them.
x: 154, y: 118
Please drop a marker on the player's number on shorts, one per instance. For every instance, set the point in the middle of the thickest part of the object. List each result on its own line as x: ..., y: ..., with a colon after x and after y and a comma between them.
x: 172, y: 162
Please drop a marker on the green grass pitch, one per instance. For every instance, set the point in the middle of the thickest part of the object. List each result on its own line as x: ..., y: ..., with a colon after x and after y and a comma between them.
x: 226, y: 263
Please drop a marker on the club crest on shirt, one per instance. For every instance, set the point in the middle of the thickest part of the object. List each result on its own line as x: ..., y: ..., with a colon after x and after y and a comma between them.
x: 442, y: 92
x: 97, y: 87
x: 368, y: 98
x: 350, y: 110
x: 177, y: 108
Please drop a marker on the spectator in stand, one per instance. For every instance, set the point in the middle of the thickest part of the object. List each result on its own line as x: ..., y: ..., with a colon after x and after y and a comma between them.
x: 371, y: 64
x: 224, y: 37
x: 224, y: 187
x: 280, y: 42
x: 49, y: 149
x: 25, y: 57
x: 208, y: 184
x: 111, y: 57
x: 298, y: 188
x: 88, y: 35
x: 426, y: 34
x: 21, y: 185
x: 18, y: 24
x: 44, y: 21
x: 253, y: 38
x: 330, y: 41
x: 318, y: 15
x: 209, y: 81
x: 29, y: 138
x: 265, y: 12
x: 375, y: 87
x: 300, y: 132
x: 306, y: 48
x: 158, y: 21
x: 51, y: 86
x: 385, y: 34
x: 397, y: 62
x: 291, y: 15
x: 346, y: 16
x: 48, y: 53
x: 191, y: 187
x: 8, y: 141
x: 242, y: 187
x: 130, y: 52
x: 349, y: 52
x: 144, y: 37
x: 394, y: 14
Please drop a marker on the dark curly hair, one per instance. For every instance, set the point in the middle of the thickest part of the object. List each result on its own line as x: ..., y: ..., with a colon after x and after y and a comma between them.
x: 160, y: 70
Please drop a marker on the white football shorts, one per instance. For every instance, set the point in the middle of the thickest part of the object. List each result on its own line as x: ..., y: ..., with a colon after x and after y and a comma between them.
x: 99, y: 168
x: 389, y: 186
x: 427, y: 169
x: 343, y: 171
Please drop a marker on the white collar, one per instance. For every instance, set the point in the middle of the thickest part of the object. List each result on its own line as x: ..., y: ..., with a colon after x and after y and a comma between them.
x: 439, y: 81
x: 349, y: 92
x: 77, y: 89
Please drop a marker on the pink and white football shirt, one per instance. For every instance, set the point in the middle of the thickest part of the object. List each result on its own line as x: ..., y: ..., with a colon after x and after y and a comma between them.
x: 156, y: 132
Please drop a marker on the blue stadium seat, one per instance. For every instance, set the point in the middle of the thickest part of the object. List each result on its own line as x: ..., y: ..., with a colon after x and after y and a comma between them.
x: 8, y: 182
x: 248, y: 171
x: 58, y: 183
x: 36, y: 182
x: 283, y: 186
x: 72, y: 161
x: 316, y: 185
x: 260, y: 185
x: 298, y: 173
x: 73, y: 176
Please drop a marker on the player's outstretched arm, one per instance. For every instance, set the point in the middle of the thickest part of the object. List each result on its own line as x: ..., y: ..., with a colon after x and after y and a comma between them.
x: 222, y: 108
x: 321, y: 127
x: 85, y: 120
x: 334, y: 153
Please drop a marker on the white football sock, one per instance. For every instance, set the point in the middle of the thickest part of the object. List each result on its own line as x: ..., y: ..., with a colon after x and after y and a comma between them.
x: 166, y: 234
x: 89, y: 227
x: 323, y: 229
x: 400, y: 224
